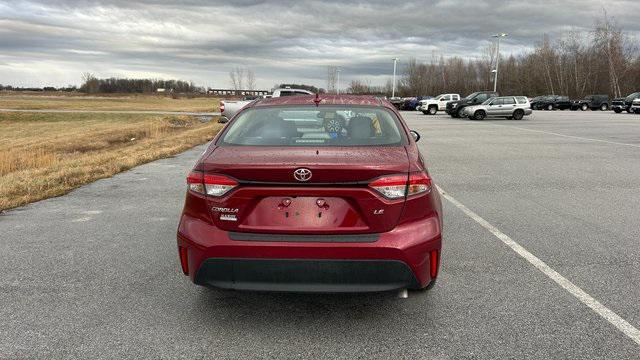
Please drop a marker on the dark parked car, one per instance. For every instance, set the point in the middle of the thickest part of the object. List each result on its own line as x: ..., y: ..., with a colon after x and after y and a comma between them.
x: 456, y: 108
x: 551, y: 102
x: 412, y: 103
x: 312, y: 194
x: 593, y: 102
x: 397, y: 102
x: 624, y: 104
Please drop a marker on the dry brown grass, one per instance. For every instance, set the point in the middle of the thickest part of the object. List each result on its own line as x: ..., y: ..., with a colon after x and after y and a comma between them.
x: 45, y: 155
x: 12, y: 100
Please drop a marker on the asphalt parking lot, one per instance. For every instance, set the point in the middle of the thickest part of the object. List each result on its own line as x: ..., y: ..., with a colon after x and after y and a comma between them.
x: 95, y: 274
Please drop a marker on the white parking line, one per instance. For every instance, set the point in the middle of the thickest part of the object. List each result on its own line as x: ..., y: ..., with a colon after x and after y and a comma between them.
x: 588, y: 300
x: 568, y: 136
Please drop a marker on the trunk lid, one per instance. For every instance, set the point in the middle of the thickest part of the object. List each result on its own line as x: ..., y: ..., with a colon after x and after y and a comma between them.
x: 335, y: 199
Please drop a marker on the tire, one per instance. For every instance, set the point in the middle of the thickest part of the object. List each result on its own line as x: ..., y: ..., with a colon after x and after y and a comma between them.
x: 549, y: 107
x: 424, y: 112
x: 460, y: 112
x: 637, y: 111
x: 433, y: 109
x: 479, y: 115
x: 584, y: 107
x: 518, y: 114
x: 629, y: 110
x: 617, y: 111
x: 604, y: 107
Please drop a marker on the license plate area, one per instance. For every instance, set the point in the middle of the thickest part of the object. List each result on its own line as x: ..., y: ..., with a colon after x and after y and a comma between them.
x: 304, y: 212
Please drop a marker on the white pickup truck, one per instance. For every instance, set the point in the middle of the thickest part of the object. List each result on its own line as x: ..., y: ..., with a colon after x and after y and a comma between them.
x: 438, y: 103
x: 230, y: 108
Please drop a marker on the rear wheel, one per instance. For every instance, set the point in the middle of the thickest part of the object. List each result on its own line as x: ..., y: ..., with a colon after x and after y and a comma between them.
x: 584, y: 107
x: 549, y: 107
x: 518, y: 114
x: 629, y: 110
x: 604, y: 107
x: 425, y: 112
x: 460, y: 112
x: 479, y: 115
x: 617, y: 111
x: 433, y: 110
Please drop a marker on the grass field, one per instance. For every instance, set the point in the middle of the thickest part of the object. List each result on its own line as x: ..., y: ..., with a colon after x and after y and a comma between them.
x: 12, y: 100
x: 48, y: 154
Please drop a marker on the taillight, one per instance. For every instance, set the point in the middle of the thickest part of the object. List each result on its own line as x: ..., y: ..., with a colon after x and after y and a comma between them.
x: 195, y: 181
x: 392, y: 187
x: 418, y: 183
x: 221, y: 107
x: 207, y: 184
x: 399, y: 186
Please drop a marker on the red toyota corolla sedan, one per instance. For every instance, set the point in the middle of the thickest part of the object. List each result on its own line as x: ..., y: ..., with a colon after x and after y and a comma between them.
x: 312, y: 194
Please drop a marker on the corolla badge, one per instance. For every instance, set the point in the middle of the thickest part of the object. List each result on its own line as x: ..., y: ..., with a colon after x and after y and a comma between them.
x: 225, y: 210
x: 302, y: 174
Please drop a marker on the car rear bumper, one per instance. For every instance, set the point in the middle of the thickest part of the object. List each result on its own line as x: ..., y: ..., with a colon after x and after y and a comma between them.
x: 401, y: 258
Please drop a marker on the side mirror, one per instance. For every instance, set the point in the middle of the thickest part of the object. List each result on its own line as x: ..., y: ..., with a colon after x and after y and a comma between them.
x: 415, y: 135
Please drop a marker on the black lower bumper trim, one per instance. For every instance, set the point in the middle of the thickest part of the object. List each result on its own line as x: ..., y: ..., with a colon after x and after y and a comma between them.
x: 306, y: 275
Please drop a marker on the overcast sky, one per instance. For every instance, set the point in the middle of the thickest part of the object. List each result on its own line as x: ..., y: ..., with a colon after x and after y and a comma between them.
x: 52, y: 42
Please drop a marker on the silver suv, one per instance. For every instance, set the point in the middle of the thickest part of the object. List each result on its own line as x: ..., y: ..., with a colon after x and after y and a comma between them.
x: 510, y: 107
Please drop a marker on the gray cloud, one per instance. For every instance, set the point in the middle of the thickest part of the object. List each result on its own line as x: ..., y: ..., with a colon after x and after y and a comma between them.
x: 52, y: 42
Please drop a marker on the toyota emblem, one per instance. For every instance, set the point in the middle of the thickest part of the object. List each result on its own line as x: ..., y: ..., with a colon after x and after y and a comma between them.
x: 302, y: 174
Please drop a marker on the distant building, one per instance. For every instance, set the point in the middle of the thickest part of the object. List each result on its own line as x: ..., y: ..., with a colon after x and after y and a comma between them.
x: 232, y: 92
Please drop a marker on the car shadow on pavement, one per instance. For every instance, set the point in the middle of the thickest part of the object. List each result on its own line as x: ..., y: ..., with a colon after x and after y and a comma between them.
x: 266, y: 308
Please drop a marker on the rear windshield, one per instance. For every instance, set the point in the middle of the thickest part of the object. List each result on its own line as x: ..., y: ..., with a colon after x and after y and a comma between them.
x: 313, y: 126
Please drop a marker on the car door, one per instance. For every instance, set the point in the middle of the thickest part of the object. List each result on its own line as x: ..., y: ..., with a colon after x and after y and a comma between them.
x: 508, y: 106
x: 442, y: 103
x: 495, y: 107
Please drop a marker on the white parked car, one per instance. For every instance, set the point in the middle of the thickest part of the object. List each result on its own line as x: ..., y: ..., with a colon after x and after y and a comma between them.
x: 510, y: 107
x: 438, y: 103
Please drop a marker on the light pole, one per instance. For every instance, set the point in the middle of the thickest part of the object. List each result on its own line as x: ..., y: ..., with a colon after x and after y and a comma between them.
x: 393, y: 87
x: 338, y: 81
x: 495, y: 79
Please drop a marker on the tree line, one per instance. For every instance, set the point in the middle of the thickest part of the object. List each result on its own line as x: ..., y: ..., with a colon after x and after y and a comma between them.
x: 92, y: 85
x: 602, y: 61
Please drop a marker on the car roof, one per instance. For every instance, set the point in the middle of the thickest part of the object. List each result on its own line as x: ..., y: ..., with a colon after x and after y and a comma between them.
x: 361, y: 100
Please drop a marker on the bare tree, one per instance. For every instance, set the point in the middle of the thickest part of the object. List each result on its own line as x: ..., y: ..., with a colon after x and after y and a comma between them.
x: 603, y: 61
x: 251, y: 80
x: 90, y: 83
x: 237, y: 78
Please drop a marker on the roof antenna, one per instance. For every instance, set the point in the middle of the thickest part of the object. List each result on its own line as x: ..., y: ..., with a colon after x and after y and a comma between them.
x: 317, y: 99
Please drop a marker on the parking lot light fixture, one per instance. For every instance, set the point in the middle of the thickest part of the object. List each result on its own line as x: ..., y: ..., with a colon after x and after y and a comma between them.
x: 495, y: 79
x: 393, y: 87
